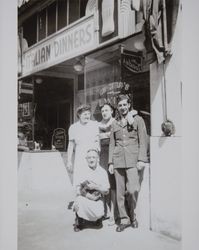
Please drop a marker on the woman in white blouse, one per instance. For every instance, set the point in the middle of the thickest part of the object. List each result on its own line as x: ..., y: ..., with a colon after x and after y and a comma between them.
x: 83, y: 135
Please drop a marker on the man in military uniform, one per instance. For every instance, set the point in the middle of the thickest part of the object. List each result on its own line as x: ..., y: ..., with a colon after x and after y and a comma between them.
x: 127, y: 158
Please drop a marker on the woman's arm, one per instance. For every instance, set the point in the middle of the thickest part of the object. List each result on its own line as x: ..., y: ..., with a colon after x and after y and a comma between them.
x: 111, y: 146
x: 142, y: 137
x: 71, y: 146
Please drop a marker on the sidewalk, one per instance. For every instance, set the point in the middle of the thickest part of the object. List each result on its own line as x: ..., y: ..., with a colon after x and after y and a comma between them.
x: 46, y: 223
x: 43, y: 227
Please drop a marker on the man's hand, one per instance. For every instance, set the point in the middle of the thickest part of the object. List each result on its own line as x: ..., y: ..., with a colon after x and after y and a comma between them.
x: 69, y: 167
x: 141, y: 165
x: 104, y: 135
x: 110, y: 169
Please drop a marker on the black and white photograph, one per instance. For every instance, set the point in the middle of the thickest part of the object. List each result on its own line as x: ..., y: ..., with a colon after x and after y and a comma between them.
x: 99, y: 125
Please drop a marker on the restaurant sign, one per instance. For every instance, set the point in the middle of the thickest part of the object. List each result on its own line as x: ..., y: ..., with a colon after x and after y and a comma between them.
x: 70, y: 42
x: 132, y: 62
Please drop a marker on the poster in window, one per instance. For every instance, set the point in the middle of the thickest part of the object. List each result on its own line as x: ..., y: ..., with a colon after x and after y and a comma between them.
x: 26, y: 109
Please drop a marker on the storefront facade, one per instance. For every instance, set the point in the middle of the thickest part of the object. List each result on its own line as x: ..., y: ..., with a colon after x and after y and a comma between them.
x: 89, y: 54
x: 50, y: 58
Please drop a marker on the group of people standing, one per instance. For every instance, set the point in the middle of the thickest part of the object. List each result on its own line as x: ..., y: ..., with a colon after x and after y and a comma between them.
x: 107, y: 159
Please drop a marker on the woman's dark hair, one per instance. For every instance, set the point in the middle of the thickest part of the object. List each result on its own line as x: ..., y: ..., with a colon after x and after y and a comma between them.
x: 82, y: 108
x: 108, y: 104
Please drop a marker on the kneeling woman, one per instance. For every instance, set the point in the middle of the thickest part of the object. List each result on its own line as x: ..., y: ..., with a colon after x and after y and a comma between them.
x: 89, y: 206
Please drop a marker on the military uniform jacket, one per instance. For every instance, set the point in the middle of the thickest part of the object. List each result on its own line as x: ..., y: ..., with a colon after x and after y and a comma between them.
x: 128, y: 143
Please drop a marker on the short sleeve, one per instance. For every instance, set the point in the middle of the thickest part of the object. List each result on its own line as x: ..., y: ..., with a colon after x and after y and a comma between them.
x: 71, y: 133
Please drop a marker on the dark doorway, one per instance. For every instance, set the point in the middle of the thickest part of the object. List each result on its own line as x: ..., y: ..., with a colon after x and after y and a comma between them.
x: 53, y: 108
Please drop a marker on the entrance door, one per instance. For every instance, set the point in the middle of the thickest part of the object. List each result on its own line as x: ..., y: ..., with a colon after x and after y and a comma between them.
x: 54, y: 101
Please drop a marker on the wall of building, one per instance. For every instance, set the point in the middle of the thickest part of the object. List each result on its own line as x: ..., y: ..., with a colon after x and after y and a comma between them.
x: 166, y: 167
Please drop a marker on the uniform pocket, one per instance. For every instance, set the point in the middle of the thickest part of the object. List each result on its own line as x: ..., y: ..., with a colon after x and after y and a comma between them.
x: 116, y: 151
x: 133, y: 134
x: 118, y: 134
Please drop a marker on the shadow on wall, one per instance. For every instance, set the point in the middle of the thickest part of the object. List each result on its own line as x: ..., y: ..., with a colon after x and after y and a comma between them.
x: 159, y: 77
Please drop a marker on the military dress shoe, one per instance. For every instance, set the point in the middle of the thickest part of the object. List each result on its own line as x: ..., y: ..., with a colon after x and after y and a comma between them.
x: 134, y: 224
x: 122, y: 227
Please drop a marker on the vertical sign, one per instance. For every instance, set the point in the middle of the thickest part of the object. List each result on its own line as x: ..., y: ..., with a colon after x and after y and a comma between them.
x: 108, y: 19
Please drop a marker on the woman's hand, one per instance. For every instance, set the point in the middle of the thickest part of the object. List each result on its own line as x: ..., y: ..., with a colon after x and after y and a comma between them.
x: 70, y: 167
x: 104, y: 135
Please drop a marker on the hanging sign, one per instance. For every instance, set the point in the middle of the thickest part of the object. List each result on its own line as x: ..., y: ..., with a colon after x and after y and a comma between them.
x: 26, y: 88
x: 131, y: 62
x: 26, y: 109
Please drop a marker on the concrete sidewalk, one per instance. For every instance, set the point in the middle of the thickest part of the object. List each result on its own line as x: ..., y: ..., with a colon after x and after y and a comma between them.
x: 46, y: 223
x: 43, y: 227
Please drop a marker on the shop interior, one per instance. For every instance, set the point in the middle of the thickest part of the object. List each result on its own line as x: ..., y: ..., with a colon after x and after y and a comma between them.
x: 53, y: 103
x: 102, y: 77
x: 49, y: 108
x: 107, y: 75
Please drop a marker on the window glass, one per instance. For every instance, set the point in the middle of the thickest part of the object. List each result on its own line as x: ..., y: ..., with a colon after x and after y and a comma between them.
x: 62, y: 13
x: 74, y: 10
x: 30, y: 30
x: 103, y: 75
x: 81, y: 82
x: 110, y: 72
x: 42, y: 24
x: 83, y: 4
x: 51, y: 18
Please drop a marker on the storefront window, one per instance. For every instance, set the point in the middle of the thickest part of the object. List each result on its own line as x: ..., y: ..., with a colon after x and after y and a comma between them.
x: 42, y: 24
x: 25, y: 108
x: 74, y: 10
x: 103, y: 76
x: 83, y: 4
x: 77, y: 9
x: 30, y: 30
x: 114, y: 71
x: 54, y: 17
x: 62, y: 14
x: 51, y: 18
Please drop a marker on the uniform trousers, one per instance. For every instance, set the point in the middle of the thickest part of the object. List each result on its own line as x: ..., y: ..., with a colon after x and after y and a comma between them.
x: 128, y: 183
